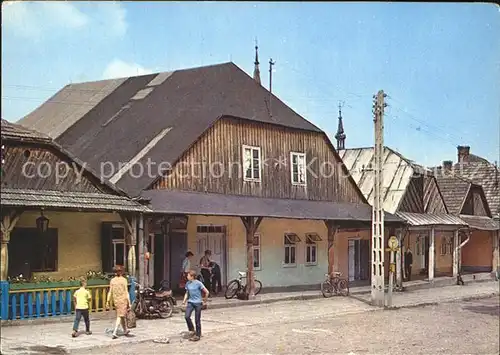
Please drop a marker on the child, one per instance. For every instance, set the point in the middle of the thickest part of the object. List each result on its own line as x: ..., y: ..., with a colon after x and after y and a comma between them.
x: 193, y: 301
x: 82, y: 301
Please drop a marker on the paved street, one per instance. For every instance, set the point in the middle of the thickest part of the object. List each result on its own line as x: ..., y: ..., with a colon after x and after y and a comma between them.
x: 451, y: 328
x: 337, y: 325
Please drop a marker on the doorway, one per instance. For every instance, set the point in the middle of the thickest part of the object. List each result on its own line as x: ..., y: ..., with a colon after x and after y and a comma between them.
x: 359, y: 255
x: 212, y: 238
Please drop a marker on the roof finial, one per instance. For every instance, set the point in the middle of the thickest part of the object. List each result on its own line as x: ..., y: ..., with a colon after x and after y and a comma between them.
x: 256, y: 71
x: 340, y: 136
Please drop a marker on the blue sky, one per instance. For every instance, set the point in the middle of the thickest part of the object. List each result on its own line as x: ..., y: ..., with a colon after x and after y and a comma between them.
x: 438, y: 63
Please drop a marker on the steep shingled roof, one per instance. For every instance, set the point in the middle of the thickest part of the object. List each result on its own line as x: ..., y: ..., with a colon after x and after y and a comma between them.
x: 166, y: 112
x: 454, y: 190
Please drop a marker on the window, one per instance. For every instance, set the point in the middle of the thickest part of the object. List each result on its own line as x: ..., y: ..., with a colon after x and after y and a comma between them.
x: 312, y: 240
x: 417, y: 245
x: 446, y: 245
x: 251, y: 161
x: 114, y: 250
x: 256, y: 252
x: 443, y: 246
x: 40, y: 256
x: 298, y: 170
x: 290, y: 242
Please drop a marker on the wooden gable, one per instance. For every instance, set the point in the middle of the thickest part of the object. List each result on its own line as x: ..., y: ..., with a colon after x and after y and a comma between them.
x: 423, y: 196
x: 42, y: 167
x: 475, y: 203
x: 214, y: 163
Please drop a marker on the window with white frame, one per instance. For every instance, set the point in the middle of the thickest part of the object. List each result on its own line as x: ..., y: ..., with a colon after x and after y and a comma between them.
x: 256, y: 252
x: 290, y: 242
x: 312, y: 240
x: 251, y: 163
x: 298, y: 170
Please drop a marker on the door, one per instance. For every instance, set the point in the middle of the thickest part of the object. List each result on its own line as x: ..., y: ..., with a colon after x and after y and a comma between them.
x: 159, y: 260
x: 178, y: 249
x: 352, y: 263
x: 364, y: 246
x: 212, y: 238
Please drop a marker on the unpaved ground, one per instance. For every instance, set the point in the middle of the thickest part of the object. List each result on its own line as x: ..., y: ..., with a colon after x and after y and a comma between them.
x: 451, y: 328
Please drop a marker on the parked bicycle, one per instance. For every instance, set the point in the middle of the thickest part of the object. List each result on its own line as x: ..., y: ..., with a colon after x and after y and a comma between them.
x: 236, y: 285
x: 334, y: 284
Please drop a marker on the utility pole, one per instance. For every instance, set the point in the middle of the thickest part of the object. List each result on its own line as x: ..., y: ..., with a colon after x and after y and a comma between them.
x: 377, y: 279
x: 271, y: 63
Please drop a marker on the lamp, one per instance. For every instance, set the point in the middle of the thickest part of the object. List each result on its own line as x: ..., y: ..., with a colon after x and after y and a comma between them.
x: 42, y: 223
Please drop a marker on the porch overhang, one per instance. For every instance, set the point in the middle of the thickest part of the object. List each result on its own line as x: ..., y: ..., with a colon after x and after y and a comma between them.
x: 419, y: 221
x: 212, y: 204
x: 77, y: 201
x: 484, y: 223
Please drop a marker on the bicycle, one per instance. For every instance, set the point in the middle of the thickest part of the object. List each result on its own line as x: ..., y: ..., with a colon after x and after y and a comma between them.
x: 236, y: 285
x: 334, y: 284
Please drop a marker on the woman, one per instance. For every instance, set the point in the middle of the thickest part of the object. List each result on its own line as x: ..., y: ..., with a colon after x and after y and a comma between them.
x: 186, y: 266
x: 118, y: 294
x: 193, y: 301
x: 206, y: 270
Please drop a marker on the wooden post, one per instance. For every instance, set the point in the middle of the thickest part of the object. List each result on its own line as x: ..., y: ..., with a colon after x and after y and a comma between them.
x: 8, y: 223
x: 251, y: 224
x: 399, y: 273
x: 131, y: 240
x: 456, y: 243
x: 431, y: 255
x: 332, y: 230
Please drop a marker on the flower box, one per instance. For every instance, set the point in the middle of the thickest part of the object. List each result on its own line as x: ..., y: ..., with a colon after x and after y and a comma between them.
x: 49, y: 285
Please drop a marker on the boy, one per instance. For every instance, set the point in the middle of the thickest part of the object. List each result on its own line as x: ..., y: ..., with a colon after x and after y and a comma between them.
x: 193, y: 301
x: 82, y: 298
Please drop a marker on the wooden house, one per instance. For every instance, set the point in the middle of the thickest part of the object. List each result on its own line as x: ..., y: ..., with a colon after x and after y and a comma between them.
x: 412, y: 193
x: 472, y: 185
x: 235, y: 171
x: 53, y: 207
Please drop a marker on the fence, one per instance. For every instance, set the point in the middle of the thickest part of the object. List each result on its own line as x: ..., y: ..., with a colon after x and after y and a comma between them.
x: 50, y: 302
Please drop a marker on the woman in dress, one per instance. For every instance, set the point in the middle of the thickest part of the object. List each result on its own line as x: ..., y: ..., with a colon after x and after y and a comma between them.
x: 186, y: 266
x: 120, y: 298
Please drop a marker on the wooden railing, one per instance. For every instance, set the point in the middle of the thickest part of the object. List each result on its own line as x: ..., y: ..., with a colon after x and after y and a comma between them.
x: 50, y: 302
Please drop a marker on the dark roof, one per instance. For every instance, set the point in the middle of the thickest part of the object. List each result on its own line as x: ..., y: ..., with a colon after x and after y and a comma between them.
x: 197, y: 203
x: 480, y: 222
x: 19, y: 133
x: 454, y: 190
x: 69, y: 200
x: 117, y: 119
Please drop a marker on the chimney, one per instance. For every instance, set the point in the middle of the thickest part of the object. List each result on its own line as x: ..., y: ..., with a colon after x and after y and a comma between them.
x: 447, y: 165
x: 463, y: 153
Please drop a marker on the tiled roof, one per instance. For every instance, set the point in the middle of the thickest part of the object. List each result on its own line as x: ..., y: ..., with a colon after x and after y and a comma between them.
x: 69, y: 200
x: 454, y: 190
x: 14, y: 131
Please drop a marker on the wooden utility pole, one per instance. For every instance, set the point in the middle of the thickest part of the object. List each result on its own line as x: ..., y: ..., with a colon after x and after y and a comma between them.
x: 377, y: 279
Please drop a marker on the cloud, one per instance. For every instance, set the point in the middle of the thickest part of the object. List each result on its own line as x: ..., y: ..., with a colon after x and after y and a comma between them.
x: 35, y: 19
x: 120, y: 69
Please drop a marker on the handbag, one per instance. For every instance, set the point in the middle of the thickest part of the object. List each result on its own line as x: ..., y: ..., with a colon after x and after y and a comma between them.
x: 131, y: 319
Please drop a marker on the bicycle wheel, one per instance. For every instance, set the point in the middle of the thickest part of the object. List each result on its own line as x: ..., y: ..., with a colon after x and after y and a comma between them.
x: 258, y: 287
x: 231, y: 289
x: 327, y: 289
x: 343, y: 287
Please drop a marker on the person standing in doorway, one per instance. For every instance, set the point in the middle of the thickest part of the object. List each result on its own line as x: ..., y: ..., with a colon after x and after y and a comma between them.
x: 186, y: 267
x: 408, y: 263
x: 118, y: 294
x: 82, y: 301
x: 193, y: 301
x: 206, y: 270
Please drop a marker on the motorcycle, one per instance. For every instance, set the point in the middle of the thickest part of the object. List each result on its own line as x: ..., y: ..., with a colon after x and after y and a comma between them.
x: 150, y: 302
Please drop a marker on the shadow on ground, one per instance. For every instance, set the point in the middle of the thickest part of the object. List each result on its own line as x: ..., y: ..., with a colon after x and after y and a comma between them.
x: 40, y: 349
x: 493, y: 310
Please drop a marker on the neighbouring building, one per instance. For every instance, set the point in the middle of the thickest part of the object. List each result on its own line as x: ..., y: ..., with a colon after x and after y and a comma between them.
x: 235, y: 171
x: 475, y: 182
x: 53, y: 210
x: 412, y: 193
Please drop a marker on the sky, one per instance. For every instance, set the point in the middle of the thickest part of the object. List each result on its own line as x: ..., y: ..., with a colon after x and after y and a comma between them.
x: 438, y: 63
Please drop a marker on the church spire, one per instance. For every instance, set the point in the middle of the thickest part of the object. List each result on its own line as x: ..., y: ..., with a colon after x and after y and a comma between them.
x: 340, y: 136
x: 256, y: 71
